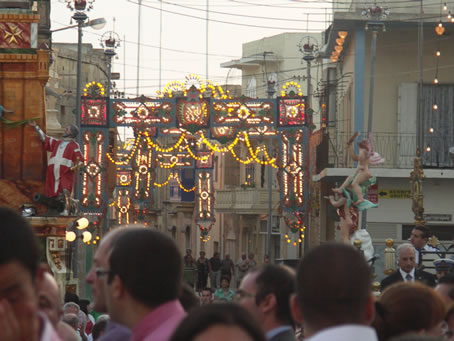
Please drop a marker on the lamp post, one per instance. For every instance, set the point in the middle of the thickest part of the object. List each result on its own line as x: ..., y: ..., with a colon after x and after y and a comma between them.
x: 79, y: 7
x: 110, y: 41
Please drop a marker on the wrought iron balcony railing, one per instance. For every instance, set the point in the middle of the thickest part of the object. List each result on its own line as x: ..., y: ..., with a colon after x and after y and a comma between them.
x: 398, y: 150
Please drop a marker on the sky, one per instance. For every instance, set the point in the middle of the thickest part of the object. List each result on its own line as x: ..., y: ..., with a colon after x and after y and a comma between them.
x: 183, y: 39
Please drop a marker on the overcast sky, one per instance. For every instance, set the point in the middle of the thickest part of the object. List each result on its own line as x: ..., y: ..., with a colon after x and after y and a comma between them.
x: 231, y: 23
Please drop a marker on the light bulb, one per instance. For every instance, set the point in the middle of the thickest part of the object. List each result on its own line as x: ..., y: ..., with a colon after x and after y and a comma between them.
x: 428, y: 148
x: 70, y: 236
x: 438, y: 53
x: 445, y: 7
x: 435, y: 107
x: 82, y: 223
x: 449, y: 15
x: 436, y: 81
x: 86, y: 236
x: 431, y: 130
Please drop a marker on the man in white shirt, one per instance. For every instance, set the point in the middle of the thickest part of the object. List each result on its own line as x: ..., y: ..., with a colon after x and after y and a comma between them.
x: 406, y: 259
x: 419, y: 238
x: 333, y: 298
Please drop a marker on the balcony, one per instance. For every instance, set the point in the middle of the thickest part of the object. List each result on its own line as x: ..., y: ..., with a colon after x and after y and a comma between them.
x: 239, y: 200
x: 399, y: 151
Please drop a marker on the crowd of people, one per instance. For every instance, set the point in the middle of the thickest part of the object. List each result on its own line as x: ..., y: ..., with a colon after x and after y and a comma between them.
x: 139, y: 294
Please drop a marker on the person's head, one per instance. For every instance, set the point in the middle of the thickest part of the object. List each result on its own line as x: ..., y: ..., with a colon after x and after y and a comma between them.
x: 202, y: 254
x: 408, y: 307
x: 66, y: 332
x: 20, y: 274
x: 225, y: 282
x: 99, y: 329
x: 445, y: 289
x: 71, y: 131
x: 188, y: 252
x: 84, y: 305
x: 216, y: 255
x: 71, y: 308
x: 443, y: 266
x: 243, y: 256
x: 72, y: 320
x: 220, y: 322
x: 251, y: 256
x: 71, y: 297
x: 266, y: 292
x: 188, y: 298
x: 145, y: 270
x: 419, y: 236
x: 206, y: 296
x: 266, y: 259
x: 406, y: 257
x: 227, y: 256
x: 49, y: 299
x: 333, y: 286
x: 97, y: 276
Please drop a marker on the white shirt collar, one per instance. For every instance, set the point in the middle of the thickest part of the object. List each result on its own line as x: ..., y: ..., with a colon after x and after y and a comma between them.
x: 404, y: 274
x: 273, y: 332
x: 347, y: 332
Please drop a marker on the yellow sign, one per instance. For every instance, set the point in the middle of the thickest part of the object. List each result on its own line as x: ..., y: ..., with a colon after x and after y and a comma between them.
x: 394, y: 193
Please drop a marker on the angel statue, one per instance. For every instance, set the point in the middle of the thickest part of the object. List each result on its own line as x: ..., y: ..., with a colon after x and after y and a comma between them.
x: 362, y: 179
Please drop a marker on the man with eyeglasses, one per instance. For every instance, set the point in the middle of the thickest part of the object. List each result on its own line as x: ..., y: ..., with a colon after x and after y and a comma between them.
x: 97, y: 278
x: 265, y: 293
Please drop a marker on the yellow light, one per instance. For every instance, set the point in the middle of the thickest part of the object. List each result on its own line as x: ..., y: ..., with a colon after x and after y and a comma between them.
x: 431, y: 130
x: 86, y: 236
x: 435, y: 107
x: 342, y: 34
x: 340, y: 41
x: 438, y: 53
x: 436, y: 81
x: 338, y: 48
x: 70, y: 236
x: 335, y: 54
x: 428, y: 148
x: 334, y: 59
x: 82, y: 223
x: 97, y: 237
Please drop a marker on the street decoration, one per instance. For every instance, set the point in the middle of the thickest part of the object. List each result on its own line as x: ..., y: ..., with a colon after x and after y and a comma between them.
x: 183, y: 128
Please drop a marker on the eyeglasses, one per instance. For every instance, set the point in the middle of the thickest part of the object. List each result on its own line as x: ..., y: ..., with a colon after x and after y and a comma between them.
x: 101, y: 272
x: 240, y: 294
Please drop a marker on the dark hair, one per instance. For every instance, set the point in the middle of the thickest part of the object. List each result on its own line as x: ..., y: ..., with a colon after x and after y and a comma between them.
x: 425, y: 231
x: 83, y: 304
x: 18, y: 241
x: 280, y: 281
x: 228, y: 314
x: 71, y: 297
x: 98, y: 328
x: 333, y: 286
x: 149, y: 265
x: 408, y: 307
x: 447, y: 279
x: 207, y: 289
x: 188, y: 299
x: 227, y: 278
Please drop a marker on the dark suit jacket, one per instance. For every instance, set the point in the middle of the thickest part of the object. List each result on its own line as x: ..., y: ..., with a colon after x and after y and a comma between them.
x: 420, y: 276
x: 288, y: 335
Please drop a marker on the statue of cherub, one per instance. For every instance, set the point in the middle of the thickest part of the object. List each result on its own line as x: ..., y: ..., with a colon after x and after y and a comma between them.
x: 362, y: 178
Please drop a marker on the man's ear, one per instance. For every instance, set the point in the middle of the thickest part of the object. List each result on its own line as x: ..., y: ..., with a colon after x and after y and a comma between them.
x: 40, y: 277
x: 118, y: 288
x: 268, y: 303
x: 296, y: 310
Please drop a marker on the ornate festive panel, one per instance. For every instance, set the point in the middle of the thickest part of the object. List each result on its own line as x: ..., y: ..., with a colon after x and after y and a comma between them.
x: 143, y: 112
x: 292, y: 112
x: 243, y: 113
x: 93, y: 112
x: 15, y: 35
x: 94, y: 145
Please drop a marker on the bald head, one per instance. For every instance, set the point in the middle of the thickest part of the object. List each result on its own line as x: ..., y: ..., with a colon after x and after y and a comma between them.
x: 49, y: 299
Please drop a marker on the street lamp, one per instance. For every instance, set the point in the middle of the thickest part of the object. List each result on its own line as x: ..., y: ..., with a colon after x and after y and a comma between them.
x: 79, y: 7
x: 110, y: 41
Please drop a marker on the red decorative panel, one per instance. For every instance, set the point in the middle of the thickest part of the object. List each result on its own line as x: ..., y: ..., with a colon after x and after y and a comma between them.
x: 15, y: 35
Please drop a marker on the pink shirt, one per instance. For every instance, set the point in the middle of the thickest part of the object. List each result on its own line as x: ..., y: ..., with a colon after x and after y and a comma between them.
x: 160, y: 324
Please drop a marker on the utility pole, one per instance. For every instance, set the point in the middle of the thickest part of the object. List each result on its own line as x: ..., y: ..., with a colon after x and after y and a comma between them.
x: 376, y: 14
x: 271, y: 90
x: 139, y: 28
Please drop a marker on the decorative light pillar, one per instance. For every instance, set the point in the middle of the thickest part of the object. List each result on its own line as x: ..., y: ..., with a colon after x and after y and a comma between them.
x: 110, y: 41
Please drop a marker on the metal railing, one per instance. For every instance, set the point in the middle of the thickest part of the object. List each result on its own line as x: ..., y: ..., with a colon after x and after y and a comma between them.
x: 398, y: 150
